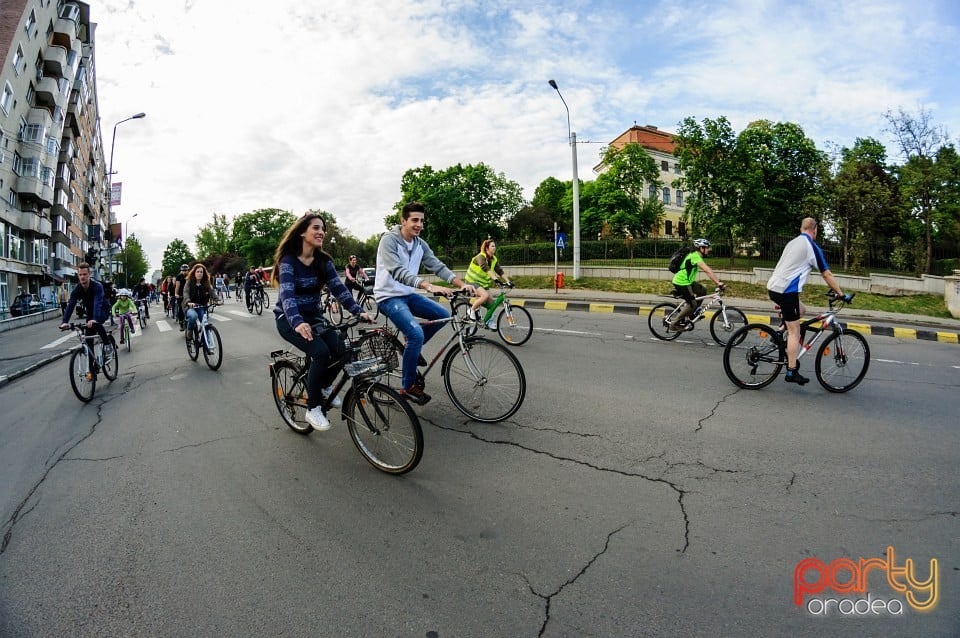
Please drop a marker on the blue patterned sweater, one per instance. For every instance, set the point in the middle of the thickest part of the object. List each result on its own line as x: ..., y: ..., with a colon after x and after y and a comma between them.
x: 300, y: 288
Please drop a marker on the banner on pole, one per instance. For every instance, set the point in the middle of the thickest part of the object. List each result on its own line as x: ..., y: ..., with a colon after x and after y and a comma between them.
x: 115, y: 190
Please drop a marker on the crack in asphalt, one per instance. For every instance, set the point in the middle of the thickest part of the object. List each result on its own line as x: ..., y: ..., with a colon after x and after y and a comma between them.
x: 548, y: 598
x: 714, y: 410
x: 585, y: 435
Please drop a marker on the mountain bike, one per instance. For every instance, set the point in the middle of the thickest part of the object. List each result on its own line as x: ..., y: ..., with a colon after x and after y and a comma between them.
x: 330, y: 306
x: 483, y: 379
x: 514, y: 323
x: 756, y: 352
x: 382, y: 425
x: 93, y: 357
x: 258, y: 299
x: 205, y: 338
x: 142, y: 313
x: 367, y: 302
x: 723, y: 323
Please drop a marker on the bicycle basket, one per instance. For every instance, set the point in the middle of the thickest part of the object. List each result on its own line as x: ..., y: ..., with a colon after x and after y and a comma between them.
x: 378, y: 345
x: 370, y: 366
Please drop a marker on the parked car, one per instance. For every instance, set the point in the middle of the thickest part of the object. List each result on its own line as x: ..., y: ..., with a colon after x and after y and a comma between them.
x: 370, y: 272
x: 25, y: 304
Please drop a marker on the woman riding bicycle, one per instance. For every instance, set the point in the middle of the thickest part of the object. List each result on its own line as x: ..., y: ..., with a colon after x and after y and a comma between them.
x: 685, y: 282
x: 302, y: 269
x: 482, y: 271
x: 123, y: 310
x: 198, y: 293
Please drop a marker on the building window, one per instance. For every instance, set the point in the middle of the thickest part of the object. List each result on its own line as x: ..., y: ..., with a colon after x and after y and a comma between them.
x: 676, y: 169
x: 31, y: 21
x: 682, y: 229
x: 15, y: 244
x: 679, y: 197
x: 664, y: 166
x: 666, y: 194
x: 31, y: 167
x: 7, y: 98
x: 31, y: 133
x: 12, y: 198
x: 17, y: 163
x: 53, y: 146
x: 668, y: 227
x: 17, y: 59
x: 653, y: 191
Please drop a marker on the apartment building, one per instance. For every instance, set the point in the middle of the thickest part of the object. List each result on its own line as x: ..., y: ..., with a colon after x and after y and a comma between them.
x: 52, y: 173
x: 660, y: 145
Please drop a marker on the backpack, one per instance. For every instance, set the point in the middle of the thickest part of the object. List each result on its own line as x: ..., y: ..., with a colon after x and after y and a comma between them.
x: 676, y: 259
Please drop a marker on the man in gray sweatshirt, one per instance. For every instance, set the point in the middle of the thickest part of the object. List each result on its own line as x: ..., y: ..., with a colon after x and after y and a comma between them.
x: 400, y: 255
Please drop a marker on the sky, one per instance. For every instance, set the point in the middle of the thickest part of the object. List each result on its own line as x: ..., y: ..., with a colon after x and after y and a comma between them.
x: 324, y: 104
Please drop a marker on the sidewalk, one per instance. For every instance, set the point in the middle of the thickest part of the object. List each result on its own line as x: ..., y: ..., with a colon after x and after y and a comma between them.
x: 22, y: 349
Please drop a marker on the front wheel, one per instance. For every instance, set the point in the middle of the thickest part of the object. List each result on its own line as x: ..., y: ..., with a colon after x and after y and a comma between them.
x: 258, y: 305
x: 384, y: 428
x: 842, y: 361
x: 192, y: 350
x: 725, y: 322
x: 485, y: 381
x: 461, y: 309
x: 753, y: 356
x: 126, y: 335
x: 82, y: 380
x: 659, y: 317
x: 515, y: 325
x: 335, y: 311
x: 111, y: 360
x: 290, y: 395
x: 142, y: 318
x: 212, y: 348
x: 371, y: 307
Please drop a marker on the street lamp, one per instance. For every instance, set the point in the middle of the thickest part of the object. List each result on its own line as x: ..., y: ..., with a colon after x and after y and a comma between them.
x: 572, y: 136
x: 126, y: 260
x: 113, y: 143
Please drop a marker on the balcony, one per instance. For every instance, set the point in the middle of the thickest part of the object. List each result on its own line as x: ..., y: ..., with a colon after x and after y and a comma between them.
x: 40, y: 116
x: 47, y: 91
x: 29, y: 221
x: 32, y: 190
x: 55, y: 61
x: 63, y: 176
x: 64, y: 32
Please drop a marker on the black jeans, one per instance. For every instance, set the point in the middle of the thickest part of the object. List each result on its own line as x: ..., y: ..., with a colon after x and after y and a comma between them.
x: 324, y: 349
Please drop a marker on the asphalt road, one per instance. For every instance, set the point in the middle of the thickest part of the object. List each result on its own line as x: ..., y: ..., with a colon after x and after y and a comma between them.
x: 637, y: 492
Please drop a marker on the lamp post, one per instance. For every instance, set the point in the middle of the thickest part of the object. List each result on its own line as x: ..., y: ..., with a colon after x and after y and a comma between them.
x: 126, y: 260
x: 572, y: 136
x: 113, y: 143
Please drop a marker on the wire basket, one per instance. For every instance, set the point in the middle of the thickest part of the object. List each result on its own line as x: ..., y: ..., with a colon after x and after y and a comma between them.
x: 378, y: 345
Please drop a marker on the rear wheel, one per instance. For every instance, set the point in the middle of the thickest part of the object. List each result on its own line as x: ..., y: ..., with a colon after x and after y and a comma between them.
x: 335, y: 312
x: 486, y: 383
x: 370, y: 307
x: 384, y: 428
x: 515, y: 325
x: 842, y: 361
x: 721, y: 330
x: 658, y: 318
x: 213, y: 348
x: 82, y: 380
x: 290, y: 395
x: 111, y: 361
x: 142, y: 318
x: 753, y: 356
x: 258, y: 304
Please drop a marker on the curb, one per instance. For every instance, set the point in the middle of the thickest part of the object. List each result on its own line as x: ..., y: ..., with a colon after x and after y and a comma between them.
x: 13, y: 376
x: 939, y: 336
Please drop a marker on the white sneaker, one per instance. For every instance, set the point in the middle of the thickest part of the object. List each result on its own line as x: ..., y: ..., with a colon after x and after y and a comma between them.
x: 471, y: 314
x: 336, y: 403
x: 317, y: 419
x: 492, y: 324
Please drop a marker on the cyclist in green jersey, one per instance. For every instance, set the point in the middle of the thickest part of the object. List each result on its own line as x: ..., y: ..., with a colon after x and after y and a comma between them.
x: 482, y: 271
x: 685, y: 282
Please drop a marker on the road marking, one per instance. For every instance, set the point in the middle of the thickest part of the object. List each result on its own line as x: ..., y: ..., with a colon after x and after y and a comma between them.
x: 54, y: 344
x: 219, y: 317
x: 568, y: 332
x: 163, y: 326
x: 245, y: 315
x: 601, y: 307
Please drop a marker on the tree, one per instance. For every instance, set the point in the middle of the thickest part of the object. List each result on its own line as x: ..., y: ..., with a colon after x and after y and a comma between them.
x: 257, y: 234
x: 214, y: 237
x: 464, y: 204
x: 134, y: 260
x: 176, y: 254
x: 622, y: 191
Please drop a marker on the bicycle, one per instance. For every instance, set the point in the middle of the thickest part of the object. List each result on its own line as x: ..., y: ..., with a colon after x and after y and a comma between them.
x: 331, y: 307
x: 483, y: 379
x: 367, y: 302
x: 382, y: 425
x: 142, y: 313
x: 93, y: 356
x: 514, y: 323
x: 125, y: 331
x: 756, y: 352
x: 205, y: 338
x: 723, y: 323
x: 258, y: 299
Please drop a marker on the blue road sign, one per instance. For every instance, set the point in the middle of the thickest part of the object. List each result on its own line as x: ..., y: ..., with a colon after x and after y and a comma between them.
x: 561, y: 240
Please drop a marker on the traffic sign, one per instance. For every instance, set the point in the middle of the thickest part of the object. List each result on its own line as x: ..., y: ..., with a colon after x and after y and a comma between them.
x: 561, y: 240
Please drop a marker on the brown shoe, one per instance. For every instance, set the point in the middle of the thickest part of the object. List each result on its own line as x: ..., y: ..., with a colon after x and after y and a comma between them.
x: 415, y: 394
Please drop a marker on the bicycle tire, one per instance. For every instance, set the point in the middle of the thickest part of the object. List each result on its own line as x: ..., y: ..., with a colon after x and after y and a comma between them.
x: 461, y: 308
x: 753, y: 356
x: 258, y: 304
x: 735, y: 320
x: 83, y: 382
x: 515, y: 326
x: 142, y: 319
x: 266, y: 299
x: 501, y: 388
x: 193, y: 351
x: 335, y: 311
x: 657, y: 320
x: 111, y: 361
x: 370, y: 306
x: 126, y: 335
x: 290, y: 396
x: 388, y: 434
x: 842, y: 361
x: 213, y: 355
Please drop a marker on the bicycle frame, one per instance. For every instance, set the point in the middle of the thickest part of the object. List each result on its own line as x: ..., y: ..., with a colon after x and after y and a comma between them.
x: 828, y: 319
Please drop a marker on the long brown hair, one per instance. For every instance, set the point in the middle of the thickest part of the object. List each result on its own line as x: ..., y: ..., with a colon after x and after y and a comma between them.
x: 292, y: 243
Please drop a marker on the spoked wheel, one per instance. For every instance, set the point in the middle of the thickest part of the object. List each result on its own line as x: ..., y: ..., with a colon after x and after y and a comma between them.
x: 192, y: 350
x: 657, y: 320
x: 515, y: 325
x: 290, y: 395
x: 126, y: 336
x: 266, y: 299
x: 842, y: 361
x: 111, y: 361
x: 142, y: 318
x: 753, y: 356
x: 258, y: 305
x: 212, y: 348
x: 82, y: 380
x: 487, y: 383
x: 370, y: 307
x: 721, y: 330
x: 384, y: 428
x: 461, y: 309
x: 335, y: 312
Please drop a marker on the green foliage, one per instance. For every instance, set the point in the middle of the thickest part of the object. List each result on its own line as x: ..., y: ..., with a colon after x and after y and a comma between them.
x: 464, y: 204
x: 176, y: 253
x: 134, y: 260
x: 214, y: 237
x: 257, y: 234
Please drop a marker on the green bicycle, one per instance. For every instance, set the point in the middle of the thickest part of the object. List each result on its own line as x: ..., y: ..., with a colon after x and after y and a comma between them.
x: 514, y: 324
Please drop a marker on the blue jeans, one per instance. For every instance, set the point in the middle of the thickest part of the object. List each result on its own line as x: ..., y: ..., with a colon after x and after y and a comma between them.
x: 402, y: 312
x: 194, y: 315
